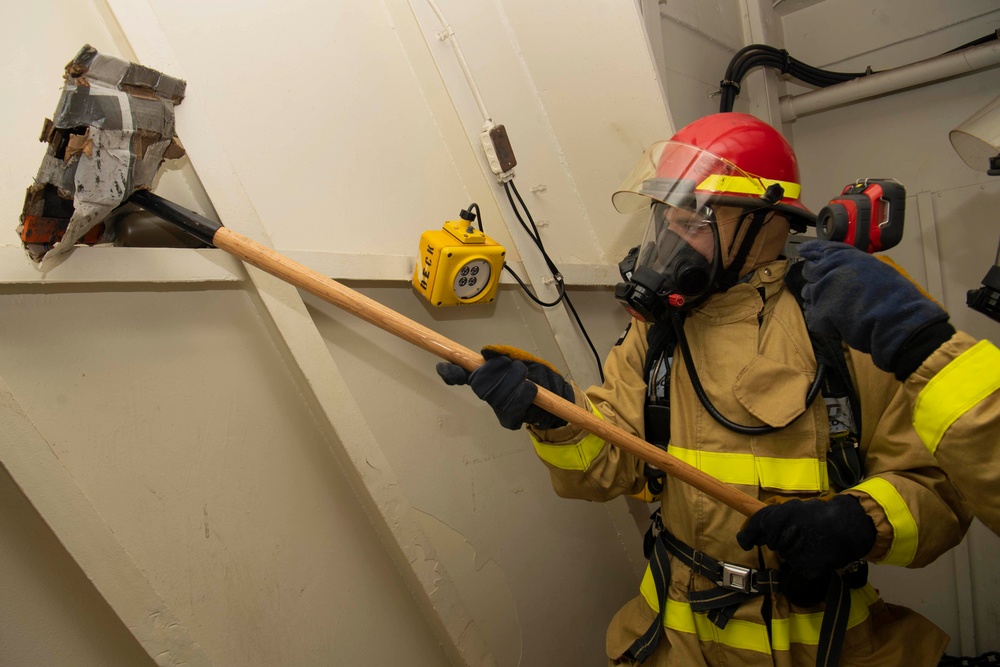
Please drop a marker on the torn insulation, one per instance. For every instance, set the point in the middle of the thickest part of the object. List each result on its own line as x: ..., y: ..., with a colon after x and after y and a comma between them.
x: 112, y: 128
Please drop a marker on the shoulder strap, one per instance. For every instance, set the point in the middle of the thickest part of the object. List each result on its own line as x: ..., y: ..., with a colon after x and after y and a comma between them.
x: 660, y: 339
x: 661, y: 342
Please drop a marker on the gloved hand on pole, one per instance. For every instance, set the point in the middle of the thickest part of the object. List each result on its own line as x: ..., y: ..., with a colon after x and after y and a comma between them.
x: 501, y: 383
x: 814, y: 537
x: 871, y: 306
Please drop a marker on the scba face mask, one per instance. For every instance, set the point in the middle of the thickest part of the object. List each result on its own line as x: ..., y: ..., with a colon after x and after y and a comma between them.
x: 676, y: 265
x: 700, y: 203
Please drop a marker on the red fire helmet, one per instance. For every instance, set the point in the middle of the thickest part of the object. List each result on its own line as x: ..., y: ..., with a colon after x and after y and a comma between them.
x: 727, y: 158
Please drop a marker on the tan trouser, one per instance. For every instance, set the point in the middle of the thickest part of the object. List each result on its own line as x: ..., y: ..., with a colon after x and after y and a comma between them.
x: 892, y: 636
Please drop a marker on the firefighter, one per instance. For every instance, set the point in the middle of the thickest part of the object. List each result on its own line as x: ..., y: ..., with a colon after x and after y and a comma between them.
x: 718, y: 368
x: 952, y: 381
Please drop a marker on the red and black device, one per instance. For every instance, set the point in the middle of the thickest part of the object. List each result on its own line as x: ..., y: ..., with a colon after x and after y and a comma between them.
x: 868, y: 215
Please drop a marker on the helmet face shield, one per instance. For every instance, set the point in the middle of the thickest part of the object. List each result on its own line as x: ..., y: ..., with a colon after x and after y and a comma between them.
x: 687, y: 177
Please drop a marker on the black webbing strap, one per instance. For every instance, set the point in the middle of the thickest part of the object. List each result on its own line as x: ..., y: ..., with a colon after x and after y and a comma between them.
x: 660, y: 340
x: 829, y: 351
x: 659, y: 565
x: 843, y: 465
x: 834, y: 626
x: 722, y: 602
x: 656, y: 417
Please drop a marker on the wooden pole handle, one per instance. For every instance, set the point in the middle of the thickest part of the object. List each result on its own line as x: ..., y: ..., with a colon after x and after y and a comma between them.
x: 371, y: 311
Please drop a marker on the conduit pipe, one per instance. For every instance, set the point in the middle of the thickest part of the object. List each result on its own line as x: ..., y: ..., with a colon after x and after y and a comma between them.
x: 939, y: 68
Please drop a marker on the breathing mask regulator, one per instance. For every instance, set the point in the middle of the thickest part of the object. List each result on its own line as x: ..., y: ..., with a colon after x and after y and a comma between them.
x: 709, y: 191
x: 665, y: 270
x: 683, y: 258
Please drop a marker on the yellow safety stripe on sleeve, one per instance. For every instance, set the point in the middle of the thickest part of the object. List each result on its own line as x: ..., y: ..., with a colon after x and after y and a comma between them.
x: 773, y: 473
x: 956, y: 389
x: 747, y: 186
x: 796, y: 629
x: 904, y: 527
x: 577, y: 456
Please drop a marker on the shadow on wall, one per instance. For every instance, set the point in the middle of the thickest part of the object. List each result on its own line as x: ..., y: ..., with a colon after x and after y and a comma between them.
x: 52, y: 614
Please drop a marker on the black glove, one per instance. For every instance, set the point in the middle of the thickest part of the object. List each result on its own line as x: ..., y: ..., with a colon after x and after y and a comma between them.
x: 814, y: 537
x: 501, y: 383
x: 870, y: 306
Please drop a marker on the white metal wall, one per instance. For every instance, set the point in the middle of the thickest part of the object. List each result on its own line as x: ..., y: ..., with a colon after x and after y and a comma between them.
x: 274, y: 482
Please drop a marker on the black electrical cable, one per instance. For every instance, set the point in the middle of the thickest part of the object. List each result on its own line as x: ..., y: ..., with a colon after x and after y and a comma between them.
x: 531, y: 229
x: 474, y: 211
x: 537, y: 238
x: 590, y: 343
x: 560, y: 286
x: 478, y: 217
x: 762, y: 55
x: 976, y: 42
x: 532, y: 233
x: 678, y: 323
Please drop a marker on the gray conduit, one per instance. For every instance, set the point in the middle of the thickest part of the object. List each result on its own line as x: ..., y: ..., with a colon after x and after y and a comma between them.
x: 920, y: 73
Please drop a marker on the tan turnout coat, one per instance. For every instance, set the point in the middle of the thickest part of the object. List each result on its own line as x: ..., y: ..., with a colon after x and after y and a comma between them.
x: 755, y: 361
x: 956, y: 398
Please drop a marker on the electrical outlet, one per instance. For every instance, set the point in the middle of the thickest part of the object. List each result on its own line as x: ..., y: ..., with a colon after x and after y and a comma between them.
x: 458, y: 265
x: 496, y: 145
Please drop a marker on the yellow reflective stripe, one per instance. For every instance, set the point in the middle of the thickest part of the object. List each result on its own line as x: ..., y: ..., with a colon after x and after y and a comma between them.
x: 804, y: 628
x: 785, y: 474
x: 577, y: 456
x: 956, y: 389
x: 796, y: 629
x: 648, y: 590
x: 746, y: 635
x: 679, y: 617
x: 728, y: 468
x: 904, y: 527
x: 792, y: 474
x: 747, y: 186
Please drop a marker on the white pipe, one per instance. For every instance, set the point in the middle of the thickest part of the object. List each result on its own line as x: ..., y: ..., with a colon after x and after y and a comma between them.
x: 920, y: 73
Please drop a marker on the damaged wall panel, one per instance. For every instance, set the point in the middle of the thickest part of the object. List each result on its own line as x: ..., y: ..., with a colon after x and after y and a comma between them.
x: 113, y: 127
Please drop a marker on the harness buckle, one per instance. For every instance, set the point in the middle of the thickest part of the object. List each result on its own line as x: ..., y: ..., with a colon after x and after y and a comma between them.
x: 737, y: 578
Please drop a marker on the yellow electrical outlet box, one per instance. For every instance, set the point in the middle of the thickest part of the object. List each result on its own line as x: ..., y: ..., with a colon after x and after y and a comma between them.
x: 458, y: 264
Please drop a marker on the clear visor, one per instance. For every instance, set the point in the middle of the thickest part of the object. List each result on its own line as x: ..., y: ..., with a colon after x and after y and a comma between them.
x: 681, y: 245
x: 683, y: 176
